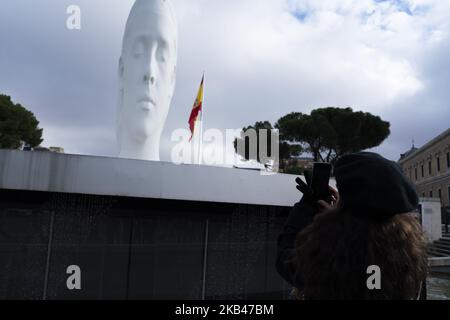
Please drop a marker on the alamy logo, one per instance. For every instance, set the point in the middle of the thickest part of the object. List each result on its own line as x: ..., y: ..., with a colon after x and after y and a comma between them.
x: 74, y: 280
x: 374, y: 280
x: 74, y: 20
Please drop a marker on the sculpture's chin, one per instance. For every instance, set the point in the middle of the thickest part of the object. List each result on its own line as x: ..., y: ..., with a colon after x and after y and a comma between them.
x: 142, y: 133
x: 143, y: 123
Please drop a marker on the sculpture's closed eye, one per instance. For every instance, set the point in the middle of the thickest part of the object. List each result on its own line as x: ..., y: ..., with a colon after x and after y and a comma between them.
x: 162, y: 55
x: 138, y: 49
x: 163, y: 51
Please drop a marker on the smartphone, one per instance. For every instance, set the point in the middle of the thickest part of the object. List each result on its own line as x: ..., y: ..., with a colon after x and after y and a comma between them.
x: 320, y: 181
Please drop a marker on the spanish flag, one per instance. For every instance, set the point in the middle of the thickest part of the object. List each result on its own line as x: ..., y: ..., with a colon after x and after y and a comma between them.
x: 196, y: 109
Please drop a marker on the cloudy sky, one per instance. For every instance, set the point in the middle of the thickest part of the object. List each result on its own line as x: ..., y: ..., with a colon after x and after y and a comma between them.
x: 263, y: 59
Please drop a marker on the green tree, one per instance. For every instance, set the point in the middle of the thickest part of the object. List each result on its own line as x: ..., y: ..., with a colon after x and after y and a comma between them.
x: 328, y: 133
x: 286, y: 149
x: 17, y: 124
x: 325, y: 133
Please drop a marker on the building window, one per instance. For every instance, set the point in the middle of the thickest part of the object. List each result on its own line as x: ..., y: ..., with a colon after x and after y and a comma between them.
x: 431, y: 194
x: 438, y: 163
x: 415, y: 173
x: 429, y: 168
x: 440, y: 194
x: 423, y: 171
x: 448, y: 159
x: 423, y: 194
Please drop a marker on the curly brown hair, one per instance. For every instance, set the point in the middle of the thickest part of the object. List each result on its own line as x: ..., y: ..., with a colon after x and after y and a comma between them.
x: 333, y: 253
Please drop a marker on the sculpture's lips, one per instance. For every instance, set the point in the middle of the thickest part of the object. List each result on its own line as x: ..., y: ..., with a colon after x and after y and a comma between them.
x: 147, y: 103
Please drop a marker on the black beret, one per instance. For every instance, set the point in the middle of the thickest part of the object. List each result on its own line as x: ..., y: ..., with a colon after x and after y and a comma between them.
x: 373, y: 185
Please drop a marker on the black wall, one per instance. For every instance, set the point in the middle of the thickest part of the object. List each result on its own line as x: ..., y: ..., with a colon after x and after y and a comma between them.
x: 130, y: 248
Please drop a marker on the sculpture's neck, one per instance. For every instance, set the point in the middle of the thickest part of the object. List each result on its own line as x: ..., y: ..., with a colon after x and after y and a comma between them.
x: 143, y: 150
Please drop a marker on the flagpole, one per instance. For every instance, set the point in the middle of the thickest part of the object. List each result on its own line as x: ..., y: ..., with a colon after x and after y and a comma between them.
x: 200, y: 155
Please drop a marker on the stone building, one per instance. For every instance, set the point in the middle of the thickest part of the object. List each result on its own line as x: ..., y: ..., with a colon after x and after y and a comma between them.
x: 429, y: 168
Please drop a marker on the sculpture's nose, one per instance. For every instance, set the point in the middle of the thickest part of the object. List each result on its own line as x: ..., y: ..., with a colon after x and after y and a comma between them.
x: 151, y: 67
x: 149, y: 79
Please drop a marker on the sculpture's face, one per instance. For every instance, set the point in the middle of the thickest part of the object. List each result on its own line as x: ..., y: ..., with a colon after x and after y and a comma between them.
x: 147, y: 71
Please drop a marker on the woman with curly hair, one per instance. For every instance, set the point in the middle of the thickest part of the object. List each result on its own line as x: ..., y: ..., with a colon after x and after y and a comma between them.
x: 325, y: 249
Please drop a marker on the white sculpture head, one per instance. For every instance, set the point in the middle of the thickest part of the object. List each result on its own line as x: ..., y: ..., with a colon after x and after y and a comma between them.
x: 147, y: 75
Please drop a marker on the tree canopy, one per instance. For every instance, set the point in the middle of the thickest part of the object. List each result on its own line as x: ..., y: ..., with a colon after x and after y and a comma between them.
x: 325, y: 133
x: 286, y: 149
x: 17, y: 124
